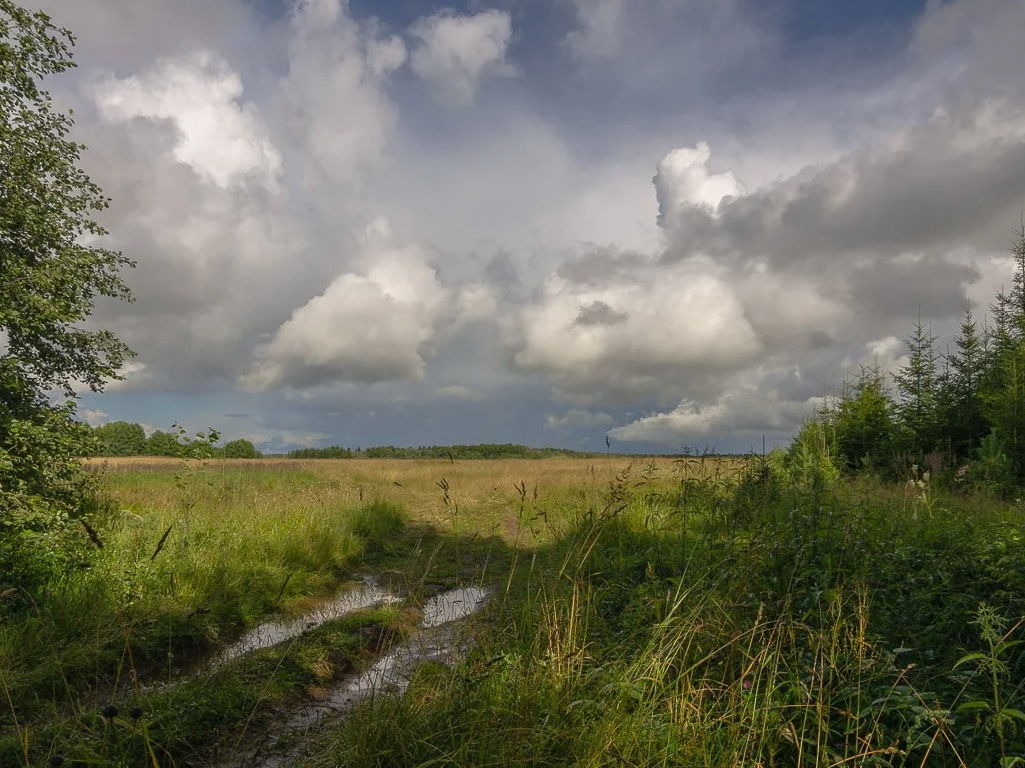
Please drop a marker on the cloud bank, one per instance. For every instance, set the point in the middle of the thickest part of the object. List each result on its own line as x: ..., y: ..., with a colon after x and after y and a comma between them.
x: 672, y: 223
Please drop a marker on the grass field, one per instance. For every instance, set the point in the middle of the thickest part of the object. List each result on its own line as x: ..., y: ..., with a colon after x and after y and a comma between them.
x: 698, y: 612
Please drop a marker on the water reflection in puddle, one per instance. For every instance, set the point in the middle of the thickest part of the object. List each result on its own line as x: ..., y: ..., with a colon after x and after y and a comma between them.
x: 453, y: 605
x: 366, y: 595
x: 436, y: 640
x: 439, y: 639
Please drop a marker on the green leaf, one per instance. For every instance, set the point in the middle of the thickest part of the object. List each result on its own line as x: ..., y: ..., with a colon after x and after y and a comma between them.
x: 973, y: 706
x: 970, y: 658
x: 1017, y: 714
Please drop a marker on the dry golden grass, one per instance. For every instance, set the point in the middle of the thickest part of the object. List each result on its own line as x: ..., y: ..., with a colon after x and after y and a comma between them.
x: 468, y: 497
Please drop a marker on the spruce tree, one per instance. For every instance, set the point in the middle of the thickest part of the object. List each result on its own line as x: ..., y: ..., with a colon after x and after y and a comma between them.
x: 962, y: 420
x: 916, y: 389
x: 862, y: 422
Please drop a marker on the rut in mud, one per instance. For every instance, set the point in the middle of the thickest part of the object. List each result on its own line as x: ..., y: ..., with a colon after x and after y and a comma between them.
x: 440, y: 638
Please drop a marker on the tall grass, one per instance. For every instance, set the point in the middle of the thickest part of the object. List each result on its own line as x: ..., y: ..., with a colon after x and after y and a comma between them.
x: 739, y: 623
x: 687, y: 613
x: 189, y: 558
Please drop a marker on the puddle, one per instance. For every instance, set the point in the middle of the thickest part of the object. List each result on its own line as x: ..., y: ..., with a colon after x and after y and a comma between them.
x: 453, y: 605
x: 439, y: 639
x: 366, y: 595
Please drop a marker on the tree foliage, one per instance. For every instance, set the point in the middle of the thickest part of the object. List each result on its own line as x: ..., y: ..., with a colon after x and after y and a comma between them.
x: 162, y: 443
x: 964, y: 410
x: 961, y: 416
x: 51, y: 273
x: 240, y: 449
x: 917, y: 399
x: 120, y: 438
x: 448, y: 452
x: 862, y: 420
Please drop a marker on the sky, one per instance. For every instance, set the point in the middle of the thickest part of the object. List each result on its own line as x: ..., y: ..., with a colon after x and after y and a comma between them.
x: 676, y: 223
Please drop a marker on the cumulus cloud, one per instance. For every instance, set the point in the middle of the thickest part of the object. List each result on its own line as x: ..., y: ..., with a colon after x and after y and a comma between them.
x: 454, y: 52
x: 806, y: 206
x: 132, y: 375
x: 609, y: 327
x: 736, y: 414
x: 220, y: 138
x: 459, y: 392
x: 333, y: 99
x: 225, y: 182
x: 365, y: 328
x: 811, y: 266
x: 683, y: 182
x: 93, y: 416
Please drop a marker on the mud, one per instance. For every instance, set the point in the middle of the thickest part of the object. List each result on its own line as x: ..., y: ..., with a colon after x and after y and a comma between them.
x: 440, y: 638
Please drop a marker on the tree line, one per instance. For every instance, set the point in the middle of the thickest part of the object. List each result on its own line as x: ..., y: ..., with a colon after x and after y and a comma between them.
x: 957, y: 411
x: 123, y: 438
x: 478, y: 451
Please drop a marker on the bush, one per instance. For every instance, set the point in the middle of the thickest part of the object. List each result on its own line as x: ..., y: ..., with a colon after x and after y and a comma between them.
x: 240, y: 449
x: 120, y: 438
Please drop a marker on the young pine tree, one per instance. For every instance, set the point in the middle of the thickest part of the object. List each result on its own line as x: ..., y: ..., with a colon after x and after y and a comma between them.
x: 917, y: 407
x: 862, y: 422
x: 1003, y: 388
x: 963, y: 424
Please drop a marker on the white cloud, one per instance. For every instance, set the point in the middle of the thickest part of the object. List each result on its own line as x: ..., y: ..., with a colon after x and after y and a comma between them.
x: 364, y: 328
x: 238, y: 212
x: 611, y: 328
x: 683, y: 181
x: 459, y: 392
x: 456, y: 52
x: 751, y: 404
x: 475, y: 302
x: 220, y: 138
x: 242, y: 149
x: 93, y: 416
x: 332, y: 100
x: 134, y: 374
x: 303, y: 439
x: 688, y: 418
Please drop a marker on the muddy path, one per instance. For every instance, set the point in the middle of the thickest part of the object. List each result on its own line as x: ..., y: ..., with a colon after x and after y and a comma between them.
x: 380, y: 662
x: 441, y: 637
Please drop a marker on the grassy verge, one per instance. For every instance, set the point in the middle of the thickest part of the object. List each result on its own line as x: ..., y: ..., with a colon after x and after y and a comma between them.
x: 673, y: 614
x: 186, y: 559
x: 213, y: 717
x: 753, y: 624
x: 190, y: 554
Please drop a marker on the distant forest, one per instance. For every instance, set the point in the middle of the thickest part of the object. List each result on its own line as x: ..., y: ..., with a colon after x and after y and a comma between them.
x: 122, y: 438
x: 480, y: 451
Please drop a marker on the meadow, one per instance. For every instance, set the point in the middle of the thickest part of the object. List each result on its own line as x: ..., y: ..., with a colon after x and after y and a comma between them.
x: 651, y: 612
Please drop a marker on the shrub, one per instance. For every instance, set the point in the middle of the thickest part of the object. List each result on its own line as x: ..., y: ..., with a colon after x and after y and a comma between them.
x: 240, y: 449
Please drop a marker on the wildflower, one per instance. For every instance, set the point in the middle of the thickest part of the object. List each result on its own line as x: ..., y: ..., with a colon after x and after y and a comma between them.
x: 110, y: 712
x: 746, y: 685
x: 136, y: 713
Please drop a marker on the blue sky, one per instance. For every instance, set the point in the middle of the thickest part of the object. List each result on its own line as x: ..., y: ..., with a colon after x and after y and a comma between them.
x: 676, y: 223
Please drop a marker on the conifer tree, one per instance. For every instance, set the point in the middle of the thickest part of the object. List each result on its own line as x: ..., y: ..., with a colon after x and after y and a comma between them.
x: 862, y: 421
x: 963, y: 424
x: 916, y: 389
